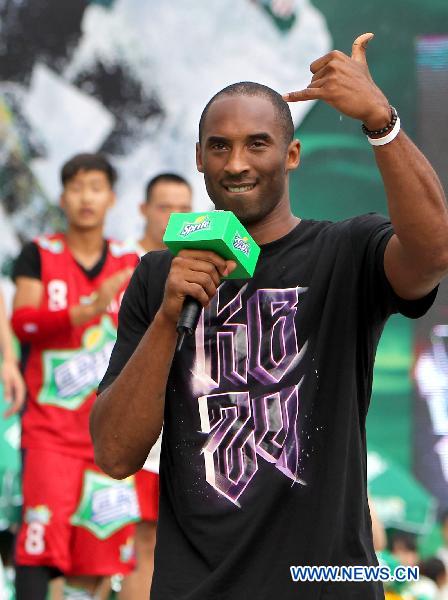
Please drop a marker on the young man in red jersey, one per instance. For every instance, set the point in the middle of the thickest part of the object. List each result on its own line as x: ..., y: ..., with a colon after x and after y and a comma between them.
x: 76, y: 520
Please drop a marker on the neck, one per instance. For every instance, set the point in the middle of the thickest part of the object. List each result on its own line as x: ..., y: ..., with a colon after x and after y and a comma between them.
x: 85, y: 245
x: 275, y: 225
x: 148, y: 243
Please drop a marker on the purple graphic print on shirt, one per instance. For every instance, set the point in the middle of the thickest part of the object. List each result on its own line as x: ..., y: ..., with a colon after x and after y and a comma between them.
x: 229, y: 351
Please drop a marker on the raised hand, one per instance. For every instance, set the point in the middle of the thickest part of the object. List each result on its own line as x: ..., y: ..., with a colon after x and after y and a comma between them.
x: 110, y: 288
x: 345, y: 83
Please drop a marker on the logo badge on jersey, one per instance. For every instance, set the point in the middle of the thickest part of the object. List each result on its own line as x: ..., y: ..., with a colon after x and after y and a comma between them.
x: 38, y: 514
x: 106, y: 504
x: 127, y: 551
x: 202, y: 223
x: 54, y: 246
x: 70, y: 376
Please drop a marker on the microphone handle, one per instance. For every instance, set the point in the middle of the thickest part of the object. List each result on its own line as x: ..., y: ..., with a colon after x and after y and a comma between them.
x: 188, y: 319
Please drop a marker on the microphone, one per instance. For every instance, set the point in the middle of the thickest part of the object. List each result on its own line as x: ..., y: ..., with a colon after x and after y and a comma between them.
x: 219, y: 231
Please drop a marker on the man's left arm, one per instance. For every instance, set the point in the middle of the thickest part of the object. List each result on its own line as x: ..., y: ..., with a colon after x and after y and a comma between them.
x: 416, y: 257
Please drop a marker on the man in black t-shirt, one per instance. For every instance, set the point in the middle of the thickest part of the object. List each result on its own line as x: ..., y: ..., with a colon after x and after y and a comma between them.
x: 263, y: 463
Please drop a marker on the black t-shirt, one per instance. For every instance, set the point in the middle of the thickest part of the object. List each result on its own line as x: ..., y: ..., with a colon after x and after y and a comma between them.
x: 263, y: 462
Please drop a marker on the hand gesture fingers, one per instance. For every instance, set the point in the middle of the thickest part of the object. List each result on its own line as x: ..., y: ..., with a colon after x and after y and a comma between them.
x: 359, y: 48
x: 309, y: 93
x: 323, y: 61
x: 345, y: 83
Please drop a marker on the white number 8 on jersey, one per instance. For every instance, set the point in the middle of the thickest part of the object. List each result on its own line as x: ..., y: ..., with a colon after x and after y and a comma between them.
x: 57, y: 294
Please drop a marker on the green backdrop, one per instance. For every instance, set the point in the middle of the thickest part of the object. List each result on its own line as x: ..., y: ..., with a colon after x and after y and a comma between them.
x: 338, y: 177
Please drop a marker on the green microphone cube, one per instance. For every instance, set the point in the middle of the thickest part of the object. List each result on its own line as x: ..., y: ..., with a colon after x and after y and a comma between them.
x: 219, y: 231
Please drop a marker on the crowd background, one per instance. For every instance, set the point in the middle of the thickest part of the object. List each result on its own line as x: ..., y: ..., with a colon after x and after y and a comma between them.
x: 113, y: 76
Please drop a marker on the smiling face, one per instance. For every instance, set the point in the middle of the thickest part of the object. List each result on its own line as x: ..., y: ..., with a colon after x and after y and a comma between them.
x: 245, y: 158
x: 86, y: 198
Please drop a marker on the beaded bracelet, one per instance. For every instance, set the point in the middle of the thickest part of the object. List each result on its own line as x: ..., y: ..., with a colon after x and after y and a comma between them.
x: 388, y: 138
x: 386, y: 129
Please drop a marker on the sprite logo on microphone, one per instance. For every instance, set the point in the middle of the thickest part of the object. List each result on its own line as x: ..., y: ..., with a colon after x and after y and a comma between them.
x: 241, y: 243
x: 218, y: 231
x: 202, y: 223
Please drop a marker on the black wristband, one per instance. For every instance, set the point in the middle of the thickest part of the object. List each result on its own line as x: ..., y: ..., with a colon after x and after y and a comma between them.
x: 386, y: 129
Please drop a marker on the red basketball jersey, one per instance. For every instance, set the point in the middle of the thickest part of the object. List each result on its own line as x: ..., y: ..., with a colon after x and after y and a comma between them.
x: 63, y: 372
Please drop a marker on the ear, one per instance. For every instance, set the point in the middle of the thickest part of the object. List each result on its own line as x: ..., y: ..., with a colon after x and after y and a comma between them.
x: 199, y: 164
x: 113, y: 199
x: 293, y: 155
x: 142, y: 208
x: 62, y: 201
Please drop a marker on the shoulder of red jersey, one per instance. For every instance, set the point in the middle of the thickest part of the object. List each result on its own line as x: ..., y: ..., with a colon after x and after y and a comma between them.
x: 119, y: 249
x: 55, y: 243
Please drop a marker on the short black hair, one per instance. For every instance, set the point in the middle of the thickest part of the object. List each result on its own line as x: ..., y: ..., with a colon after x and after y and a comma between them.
x: 168, y: 177
x: 405, y: 538
x: 249, y: 88
x: 88, y: 162
x: 433, y: 568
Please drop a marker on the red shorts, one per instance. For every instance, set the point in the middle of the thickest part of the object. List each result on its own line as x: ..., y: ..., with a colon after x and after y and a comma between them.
x: 75, y: 518
x: 147, y: 486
